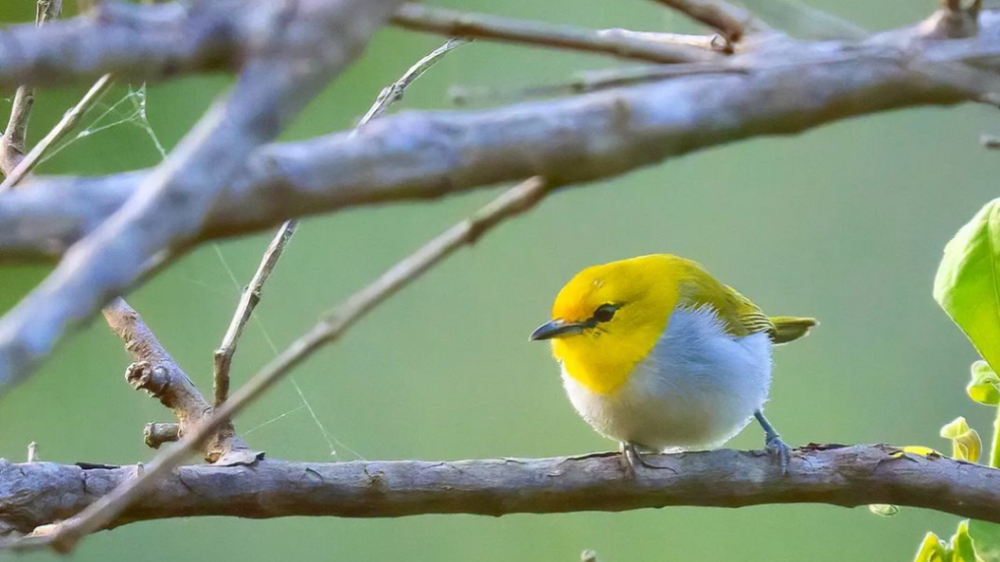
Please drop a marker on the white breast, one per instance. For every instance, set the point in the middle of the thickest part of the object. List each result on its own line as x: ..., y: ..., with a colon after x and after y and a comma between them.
x: 696, y: 390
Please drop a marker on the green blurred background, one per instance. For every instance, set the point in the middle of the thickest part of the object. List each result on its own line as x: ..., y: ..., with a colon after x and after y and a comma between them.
x: 845, y: 223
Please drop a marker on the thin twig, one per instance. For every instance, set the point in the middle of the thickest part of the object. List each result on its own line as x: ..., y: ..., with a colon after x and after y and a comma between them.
x: 333, y: 325
x: 65, y: 125
x: 394, y: 92
x: 251, y: 295
x: 464, y: 24
x: 731, y: 21
x: 33, y: 452
x: 12, y: 143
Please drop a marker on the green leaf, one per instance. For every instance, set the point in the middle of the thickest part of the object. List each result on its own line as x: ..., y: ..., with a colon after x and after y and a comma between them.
x: 987, y: 536
x: 967, y: 285
x: 965, y: 442
x: 932, y: 549
x: 962, y: 546
x: 985, y: 384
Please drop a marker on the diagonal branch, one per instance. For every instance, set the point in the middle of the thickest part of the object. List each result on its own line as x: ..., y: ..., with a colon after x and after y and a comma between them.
x: 12, y: 142
x: 464, y: 24
x: 156, y: 372
x: 731, y: 21
x: 39, y: 493
x: 223, y: 356
x: 328, y: 330
x: 62, y: 128
x: 302, y: 51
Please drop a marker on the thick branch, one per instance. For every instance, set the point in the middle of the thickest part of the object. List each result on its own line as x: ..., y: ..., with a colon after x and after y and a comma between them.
x: 421, y: 155
x: 302, y: 50
x: 39, y: 493
x: 136, y: 42
x: 156, y: 372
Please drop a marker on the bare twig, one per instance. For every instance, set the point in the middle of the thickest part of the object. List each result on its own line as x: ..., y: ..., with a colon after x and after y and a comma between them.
x: 989, y: 141
x: 729, y: 20
x: 244, y: 310
x: 156, y: 434
x: 65, y: 125
x: 37, y: 494
x: 394, y: 92
x: 251, y: 295
x: 463, y: 24
x: 12, y: 143
x: 33, y: 452
x: 329, y: 329
x: 156, y: 372
x: 273, y: 87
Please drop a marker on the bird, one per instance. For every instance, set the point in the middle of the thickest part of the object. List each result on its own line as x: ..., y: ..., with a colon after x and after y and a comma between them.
x: 659, y: 355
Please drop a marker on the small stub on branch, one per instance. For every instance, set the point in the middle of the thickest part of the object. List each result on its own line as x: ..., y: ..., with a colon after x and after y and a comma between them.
x: 956, y: 19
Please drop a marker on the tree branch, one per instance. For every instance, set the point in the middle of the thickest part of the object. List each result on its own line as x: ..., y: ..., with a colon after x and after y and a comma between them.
x: 251, y: 295
x: 62, y: 128
x: 12, y: 147
x: 301, y: 51
x: 156, y: 372
x: 423, y: 155
x: 464, y: 24
x: 513, y: 202
x: 731, y: 21
x: 35, y: 494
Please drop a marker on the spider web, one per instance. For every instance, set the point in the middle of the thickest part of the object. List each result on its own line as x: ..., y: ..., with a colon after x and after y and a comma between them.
x: 131, y: 110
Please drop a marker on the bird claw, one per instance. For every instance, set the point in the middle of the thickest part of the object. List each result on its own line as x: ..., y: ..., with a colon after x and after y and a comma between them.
x: 777, y: 448
x: 633, y: 458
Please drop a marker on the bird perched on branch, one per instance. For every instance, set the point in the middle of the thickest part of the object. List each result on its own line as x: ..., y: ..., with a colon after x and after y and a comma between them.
x: 659, y: 355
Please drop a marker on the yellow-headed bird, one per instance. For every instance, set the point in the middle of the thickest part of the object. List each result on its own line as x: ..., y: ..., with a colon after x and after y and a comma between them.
x: 660, y: 356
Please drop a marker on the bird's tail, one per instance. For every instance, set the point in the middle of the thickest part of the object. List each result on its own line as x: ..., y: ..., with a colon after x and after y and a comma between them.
x: 790, y: 328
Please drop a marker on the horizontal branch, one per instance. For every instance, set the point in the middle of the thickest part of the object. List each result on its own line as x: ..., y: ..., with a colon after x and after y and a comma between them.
x: 137, y: 42
x: 421, y: 155
x: 462, y: 24
x: 36, y: 494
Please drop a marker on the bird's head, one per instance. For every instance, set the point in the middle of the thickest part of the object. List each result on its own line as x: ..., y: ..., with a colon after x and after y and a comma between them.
x: 609, y: 317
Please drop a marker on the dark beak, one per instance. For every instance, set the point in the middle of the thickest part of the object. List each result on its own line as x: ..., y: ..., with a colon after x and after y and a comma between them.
x: 555, y: 329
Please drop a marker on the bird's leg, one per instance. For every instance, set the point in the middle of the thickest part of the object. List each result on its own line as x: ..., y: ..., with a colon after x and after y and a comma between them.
x: 773, y: 443
x: 632, y: 457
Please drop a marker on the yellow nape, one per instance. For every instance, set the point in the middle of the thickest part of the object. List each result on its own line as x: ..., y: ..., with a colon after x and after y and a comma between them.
x: 644, y: 290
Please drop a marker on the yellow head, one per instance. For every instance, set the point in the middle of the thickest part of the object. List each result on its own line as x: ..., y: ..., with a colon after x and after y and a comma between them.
x: 609, y: 317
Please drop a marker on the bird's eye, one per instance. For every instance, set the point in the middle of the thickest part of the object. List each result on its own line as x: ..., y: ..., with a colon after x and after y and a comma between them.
x: 605, y: 312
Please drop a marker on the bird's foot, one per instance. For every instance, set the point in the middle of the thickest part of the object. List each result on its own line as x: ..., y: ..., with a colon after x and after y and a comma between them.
x: 777, y: 448
x: 633, y: 458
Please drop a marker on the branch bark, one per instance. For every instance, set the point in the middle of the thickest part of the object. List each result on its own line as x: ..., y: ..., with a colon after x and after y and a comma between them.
x: 156, y: 372
x: 423, y: 155
x: 305, y: 45
x: 35, y: 494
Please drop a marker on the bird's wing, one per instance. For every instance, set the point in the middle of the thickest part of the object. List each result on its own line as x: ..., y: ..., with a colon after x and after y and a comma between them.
x: 738, y: 315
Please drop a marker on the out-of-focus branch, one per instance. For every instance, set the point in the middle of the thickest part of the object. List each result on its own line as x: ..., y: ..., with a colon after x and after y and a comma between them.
x: 12, y: 142
x: 156, y: 372
x: 423, y: 155
x: 251, y: 295
x: 464, y: 24
x: 329, y: 329
x: 305, y: 45
x: 62, y: 128
x: 729, y: 20
x: 39, y: 493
